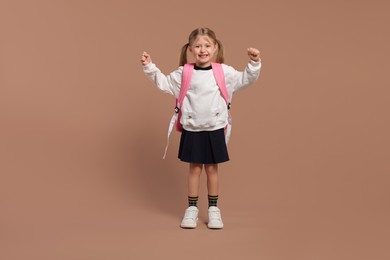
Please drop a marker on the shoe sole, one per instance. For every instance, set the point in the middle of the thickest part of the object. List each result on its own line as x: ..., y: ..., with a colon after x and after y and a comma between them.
x: 189, y: 226
x: 215, y: 227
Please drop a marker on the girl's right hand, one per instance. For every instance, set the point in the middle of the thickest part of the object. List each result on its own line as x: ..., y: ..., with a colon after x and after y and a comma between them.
x: 254, y: 54
x: 145, y: 58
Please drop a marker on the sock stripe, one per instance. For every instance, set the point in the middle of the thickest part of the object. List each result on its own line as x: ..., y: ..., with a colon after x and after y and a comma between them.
x: 192, y: 201
x: 213, y: 199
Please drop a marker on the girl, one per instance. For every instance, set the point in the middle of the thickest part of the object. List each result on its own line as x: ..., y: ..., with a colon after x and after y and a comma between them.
x: 204, y: 114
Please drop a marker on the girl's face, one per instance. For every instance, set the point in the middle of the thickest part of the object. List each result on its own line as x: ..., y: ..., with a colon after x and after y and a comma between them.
x: 203, y: 50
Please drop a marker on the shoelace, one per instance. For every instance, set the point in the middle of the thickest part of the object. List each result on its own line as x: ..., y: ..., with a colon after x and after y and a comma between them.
x: 215, y: 214
x: 190, y: 213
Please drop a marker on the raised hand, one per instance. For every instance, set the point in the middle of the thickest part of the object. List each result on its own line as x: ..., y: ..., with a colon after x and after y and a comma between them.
x: 145, y: 58
x: 254, y: 54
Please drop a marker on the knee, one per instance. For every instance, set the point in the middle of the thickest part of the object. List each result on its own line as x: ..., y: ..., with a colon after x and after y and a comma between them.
x: 211, y: 168
x: 196, y: 168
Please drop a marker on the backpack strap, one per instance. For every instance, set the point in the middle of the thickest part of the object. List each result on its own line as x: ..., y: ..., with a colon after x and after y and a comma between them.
x: 188, y: 70
x: 219, y: 76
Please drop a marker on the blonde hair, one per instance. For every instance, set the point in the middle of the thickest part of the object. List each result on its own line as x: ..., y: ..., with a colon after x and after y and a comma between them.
x: 195, y: 33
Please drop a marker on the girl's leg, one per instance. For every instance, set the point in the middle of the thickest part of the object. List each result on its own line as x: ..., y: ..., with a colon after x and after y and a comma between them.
x: 194, y: 179
x: 212, y: 179
x: 215, y: 219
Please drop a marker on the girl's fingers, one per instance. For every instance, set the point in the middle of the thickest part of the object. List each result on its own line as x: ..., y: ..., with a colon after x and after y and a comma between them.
x: 145, y: 55
x: 254, y: 54
x: 145, y: 58
x: 253, y: 51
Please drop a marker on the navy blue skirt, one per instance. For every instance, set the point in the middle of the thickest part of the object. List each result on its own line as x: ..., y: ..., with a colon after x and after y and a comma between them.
x: 205, y: 147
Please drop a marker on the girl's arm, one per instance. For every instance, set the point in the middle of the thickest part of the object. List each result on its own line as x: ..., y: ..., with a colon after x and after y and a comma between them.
x: 166, y: 83
x: 242, y: 79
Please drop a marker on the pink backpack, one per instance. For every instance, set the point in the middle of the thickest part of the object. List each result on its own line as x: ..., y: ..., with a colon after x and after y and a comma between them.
x: 185, y: 85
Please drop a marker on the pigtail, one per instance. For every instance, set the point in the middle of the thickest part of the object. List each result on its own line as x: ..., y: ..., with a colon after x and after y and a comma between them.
x: 220, y: 57
x: 183, y: 55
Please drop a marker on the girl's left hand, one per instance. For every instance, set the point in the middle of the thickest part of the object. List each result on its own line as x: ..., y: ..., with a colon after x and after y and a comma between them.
x: 254, y: 54
x: 145, y: 58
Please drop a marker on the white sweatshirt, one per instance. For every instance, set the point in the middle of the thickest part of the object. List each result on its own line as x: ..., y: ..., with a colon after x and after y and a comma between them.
x: 204, y: 108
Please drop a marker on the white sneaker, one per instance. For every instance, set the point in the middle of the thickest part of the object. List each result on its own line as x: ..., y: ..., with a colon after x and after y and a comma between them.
x: 190, y: 219
x: 215, y: 219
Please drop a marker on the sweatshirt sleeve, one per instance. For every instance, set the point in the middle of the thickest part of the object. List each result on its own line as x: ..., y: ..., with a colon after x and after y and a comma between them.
x: 238, y: 80
x: 166, y: 83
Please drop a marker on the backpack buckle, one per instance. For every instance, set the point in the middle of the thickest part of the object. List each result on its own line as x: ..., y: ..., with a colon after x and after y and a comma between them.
x: 177, y: 109
x: 229, y: 105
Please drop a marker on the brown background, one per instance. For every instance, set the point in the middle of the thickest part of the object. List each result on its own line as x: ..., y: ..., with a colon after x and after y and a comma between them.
x: 83, y: 131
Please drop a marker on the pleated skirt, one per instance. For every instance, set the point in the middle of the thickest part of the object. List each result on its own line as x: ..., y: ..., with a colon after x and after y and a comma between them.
x: 205, y: 147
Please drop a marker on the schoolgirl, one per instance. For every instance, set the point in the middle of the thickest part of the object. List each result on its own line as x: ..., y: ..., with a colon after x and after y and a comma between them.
x: 204, y: 114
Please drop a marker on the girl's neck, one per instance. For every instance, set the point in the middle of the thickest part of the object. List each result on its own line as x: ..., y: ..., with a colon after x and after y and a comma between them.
x: 196, y: 67
x: 203, y: 65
